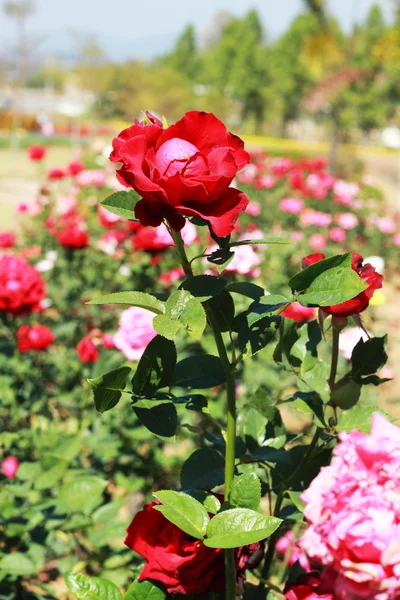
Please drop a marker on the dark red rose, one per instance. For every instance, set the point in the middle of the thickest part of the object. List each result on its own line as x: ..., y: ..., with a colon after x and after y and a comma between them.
x: 356, y: 305
x: 180, y: 562
x: 182, y: 171
x: 152, y: 240
x: 37, y: 337
x: 75, y: 167
x: 298, y: 313
x: 56, y: 174
x: 73, y: 237
x: 308, y: 587
x: 87, y: 350
x: 21, y: 286
x: 36, y: 153
x: 7, y: 239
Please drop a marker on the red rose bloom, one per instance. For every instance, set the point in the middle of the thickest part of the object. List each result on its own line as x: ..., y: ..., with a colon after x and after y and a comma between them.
x: 151, y: 240
x: 180, y: 562
x: 7, y: 239
x: 21, y: 286
x: 37, y: 337
x: 75, y: 167
x: 87, y: 351
x: 308, y: 587
x: 56, y: 174
x: 73, y: 237
x: 356, y: 305
x: 297, y: 312
x: 36, y: 153
x: 182, y: 171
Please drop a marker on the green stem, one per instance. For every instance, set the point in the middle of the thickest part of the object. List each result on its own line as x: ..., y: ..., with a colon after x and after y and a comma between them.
x: 335, y: 356
x: 230, y: 569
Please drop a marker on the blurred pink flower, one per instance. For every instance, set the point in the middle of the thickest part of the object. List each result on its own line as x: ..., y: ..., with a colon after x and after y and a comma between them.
x: 10, y: 466
x: 297, y: 312
x: 7, y: 239
x: 396, y: 239
x: 253, y: 209
x: 66, y: 205
x: 320, y: 184
x: 296, y: 236
x: 22, y: 207
x: 265, y: 182
x: 107, y: 218
x: 353, y: 511
x: 244, y: 261
x: 337, y: 235
x: 291, y: 205
x: 315, y: 217
x: 349, y: 337
x: 317, y: 242
x: 89, y: 177
x: 281, y: 166
x: 171, y: 276
x: 248, y: 174
x: 345, y: 192
x: 347, y: 221
x: 288, y: 543
x: 386, y: 225
x: 135, y: 332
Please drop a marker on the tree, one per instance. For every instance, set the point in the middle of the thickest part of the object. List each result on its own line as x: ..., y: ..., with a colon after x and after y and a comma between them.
x: 184, y: 57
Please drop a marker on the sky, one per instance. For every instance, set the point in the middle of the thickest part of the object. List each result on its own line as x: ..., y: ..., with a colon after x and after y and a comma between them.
x: 147, y: 28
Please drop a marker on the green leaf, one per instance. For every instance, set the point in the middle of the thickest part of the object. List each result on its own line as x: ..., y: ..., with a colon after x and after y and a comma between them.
x: 204, y: 287
x: 108, y: 387
x: 183, y: 511
x: 359, y: 418
x: 246, y: 288
x: 122, y: 203
x: 199, y: 372
x: 186, y: 309
x: 203, y: 469
x: 197, y: 402
x: 239, y: 527
x: 253, y: 339
x: 368, y: 357
x: 91, y: 588
x: 310, y: 403
x: 269, y: 240
x: 159, y: 417
x: 82, y: 494
x: 221, y: 258
x: 223, y: 309
x: 166, y: 326
x: 140, y: 299
x: 264, y: 306
x: 328, y: 282
x: 346, y: 393
x: 295, y: 498
x: 47, y: 479
x: 145, y: 590
x: 207, y: 499
x: 18, y: 564
x: 263, y: 404
x: 245, y: 491
x: 156, y: 367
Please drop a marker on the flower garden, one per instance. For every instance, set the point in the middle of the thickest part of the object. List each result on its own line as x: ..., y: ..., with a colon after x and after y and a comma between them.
x: 192, y: 375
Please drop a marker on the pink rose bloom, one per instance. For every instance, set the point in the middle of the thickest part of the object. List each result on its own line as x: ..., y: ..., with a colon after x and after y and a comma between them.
x: 108, y: 341
x: 66, y: 205
x: 297, y: 312
x: 7, y: 239
x: 107, y: 218
x: 296, y: 236
x: 188, y: 233
x: 317, y: 242
x: 265, y: 182
x: 22, y: 207
x: 349, y: 338
x: 307, y: 217
x: 353, y: 511
x: 287, y: 543
x: 337, y: 235
x: 321, y: 219
x: 396, y: 239
x: 320, y: 184
x: 244, y: 261
x: 347, y: 221
x: 281, y: 166
x: 291, y: 205
x: 253, y: 209
x: 345, y: 192
x: 248, y: 174
x: 135, y: 332
x: 386, y: 225
x: 10, y: 466
x: 89, y: 177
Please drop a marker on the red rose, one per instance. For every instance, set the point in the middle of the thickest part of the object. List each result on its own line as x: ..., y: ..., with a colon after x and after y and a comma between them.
x: 356, y: 305
x: 298, y: 313
x: 152, y: 240
x: 73, y: 237
x: 21, y: 286
x: 75, y: 167
x: 37, y: 337
x: 87, y: 351
x: 182, y: 171
x: 307, y: 587
x: 36, y: 153
x: 7, y: 239
x: 56, y: 174
x: 182, y: 563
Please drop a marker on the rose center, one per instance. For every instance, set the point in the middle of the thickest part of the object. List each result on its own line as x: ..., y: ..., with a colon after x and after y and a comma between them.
x: 172, y: 157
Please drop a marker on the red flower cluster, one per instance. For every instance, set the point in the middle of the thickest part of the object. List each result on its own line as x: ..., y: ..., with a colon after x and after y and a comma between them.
x: 180, y: 562
x: 21, y: 286
x: 87, y: 350
x: 184, y: 170
x: 297, y: 312
x: 73, y: 237
x: 37, y: 337
x: 309, y: 587
x: 356, y: 305
x: 7, y: 239
x: 36, y: 153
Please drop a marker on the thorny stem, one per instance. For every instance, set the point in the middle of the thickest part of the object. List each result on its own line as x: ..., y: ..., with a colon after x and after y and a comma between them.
x: 230, y: 569
x: 335, y: 356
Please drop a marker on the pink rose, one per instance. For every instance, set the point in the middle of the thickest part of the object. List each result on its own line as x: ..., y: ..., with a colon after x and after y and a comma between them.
x: 287, y: 543
x: 265, y: 182
x: 10, y: 466
x: 347, y: 221
x: 396, y: 239
x: 345, y: 192
x: 281, y: 166
x: 244, y: 261
x: 135, y: 332
x: 291, y: 205
x: 106, y: 218
x: 317, y: 242
x: 337, y: 235
x: 386, y: 225
x: 349, y: 338
x: 90, y: 177
x: 353, y: 511
x: 320, y: 184
x: 253, y: 209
